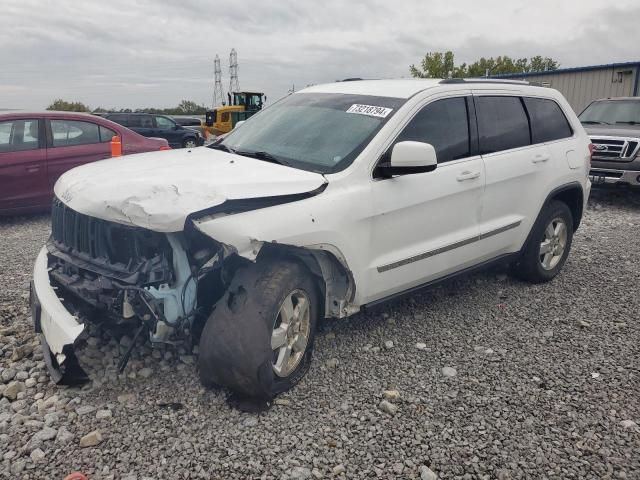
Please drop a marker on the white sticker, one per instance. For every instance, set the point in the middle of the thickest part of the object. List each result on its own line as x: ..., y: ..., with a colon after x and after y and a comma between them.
x: 370, y: 110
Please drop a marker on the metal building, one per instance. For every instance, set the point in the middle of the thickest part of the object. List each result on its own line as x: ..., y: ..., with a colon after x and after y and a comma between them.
x: 582, y: 85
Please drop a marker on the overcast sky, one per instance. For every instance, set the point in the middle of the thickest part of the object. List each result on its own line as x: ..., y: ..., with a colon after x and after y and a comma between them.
x: 139, y: 53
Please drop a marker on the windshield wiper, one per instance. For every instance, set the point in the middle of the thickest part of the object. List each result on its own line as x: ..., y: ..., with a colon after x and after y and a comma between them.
x: 222, y: 146
x: 593, y: 122
x: 628, y: 122
x: 261, y: 155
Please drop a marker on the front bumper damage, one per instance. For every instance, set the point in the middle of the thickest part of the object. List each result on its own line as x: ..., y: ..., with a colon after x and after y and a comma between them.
x: 57, y: 328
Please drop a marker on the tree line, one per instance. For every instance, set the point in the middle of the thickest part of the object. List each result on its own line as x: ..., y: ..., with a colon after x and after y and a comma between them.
x: 186, y: 107
x: 442, y: 65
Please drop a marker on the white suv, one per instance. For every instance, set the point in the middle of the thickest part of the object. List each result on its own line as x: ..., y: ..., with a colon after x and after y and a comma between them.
x: 335, y: 198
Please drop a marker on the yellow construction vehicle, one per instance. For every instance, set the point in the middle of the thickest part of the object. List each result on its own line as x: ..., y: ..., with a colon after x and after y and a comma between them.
x: 241, y: 106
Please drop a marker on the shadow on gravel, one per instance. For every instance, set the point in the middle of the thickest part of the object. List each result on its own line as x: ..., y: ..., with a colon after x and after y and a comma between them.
x: 606, y: 196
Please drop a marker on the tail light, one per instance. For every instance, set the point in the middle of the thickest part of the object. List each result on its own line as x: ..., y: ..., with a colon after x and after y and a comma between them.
x: 165, y: 147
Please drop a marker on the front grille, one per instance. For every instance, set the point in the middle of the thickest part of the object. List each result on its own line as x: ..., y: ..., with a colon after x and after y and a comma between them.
x: 615, y: 149
x: 93, y: 239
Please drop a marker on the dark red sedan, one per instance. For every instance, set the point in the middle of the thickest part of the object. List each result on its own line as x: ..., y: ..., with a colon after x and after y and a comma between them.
x: 36, y: 148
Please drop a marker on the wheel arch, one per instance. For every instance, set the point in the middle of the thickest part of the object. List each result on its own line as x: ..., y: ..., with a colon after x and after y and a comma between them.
x: 328, y: 267
x: 573, y: 196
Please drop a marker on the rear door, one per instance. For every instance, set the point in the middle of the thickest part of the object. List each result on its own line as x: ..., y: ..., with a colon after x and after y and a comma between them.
x: 143, y: 124
x: 516, y: 172
x: 22, y: 164
x: 72, y: 143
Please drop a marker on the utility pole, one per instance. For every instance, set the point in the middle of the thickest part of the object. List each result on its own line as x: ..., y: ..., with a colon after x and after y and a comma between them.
x: 218, y: 96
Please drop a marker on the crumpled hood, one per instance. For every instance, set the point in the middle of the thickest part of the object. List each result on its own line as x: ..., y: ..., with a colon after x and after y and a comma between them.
x: 158, y: 190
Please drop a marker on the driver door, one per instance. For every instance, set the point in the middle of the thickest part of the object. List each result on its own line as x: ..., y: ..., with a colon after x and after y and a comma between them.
x: 426, y: 225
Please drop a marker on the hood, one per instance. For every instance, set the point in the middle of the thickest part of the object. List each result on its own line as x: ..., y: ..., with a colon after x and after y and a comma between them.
x: 632, y: 131
x: 158, y: 190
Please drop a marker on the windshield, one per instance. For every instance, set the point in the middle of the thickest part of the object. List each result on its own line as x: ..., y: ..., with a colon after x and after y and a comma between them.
x: 612, y: 112
x: 321, y: 132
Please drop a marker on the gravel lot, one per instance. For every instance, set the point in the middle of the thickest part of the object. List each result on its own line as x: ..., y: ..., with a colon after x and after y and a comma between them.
x: 495, y: 379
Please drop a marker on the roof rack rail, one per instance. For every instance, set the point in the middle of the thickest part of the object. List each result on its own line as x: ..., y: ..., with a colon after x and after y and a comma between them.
x: 484, y: 80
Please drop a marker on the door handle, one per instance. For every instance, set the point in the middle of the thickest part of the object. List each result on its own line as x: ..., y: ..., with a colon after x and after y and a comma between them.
x: 540, y: 158
x: 467, y: 175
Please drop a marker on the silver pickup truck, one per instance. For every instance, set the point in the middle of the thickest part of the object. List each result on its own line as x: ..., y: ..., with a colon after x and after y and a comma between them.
x: 614, y: 127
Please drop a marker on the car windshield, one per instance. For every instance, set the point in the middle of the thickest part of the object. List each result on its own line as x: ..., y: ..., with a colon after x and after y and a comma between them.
x: 321, y: 132
x: 612, y: 112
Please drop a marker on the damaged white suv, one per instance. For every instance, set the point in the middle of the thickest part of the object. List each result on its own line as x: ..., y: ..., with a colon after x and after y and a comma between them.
x: 335, y: 198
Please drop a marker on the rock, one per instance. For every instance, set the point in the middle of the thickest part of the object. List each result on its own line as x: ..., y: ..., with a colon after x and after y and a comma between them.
x: 12, y: 390
x: 44, y: 435
x: 388, y: 344
x: 188, y: 359
x: 283, y: 402
x: 388, y: 407
x: 102, y: 414
x: 547, y: 333
x: 30, y: 382
x: 584, y: 324
x: 375, y: 350
x: 316, y: 473
x: 21, y: 376
x: 595, y: 375
x: 628, y: 424
x: 85, y: 410
x: 300, y: 473
x: 449, y: 372
x: 421, y: 346
x: 426, y: 473
x: 332, y: 363
x: 91, y: 439
x: 64, y: 436
x: 8, y: 374
x: 37, y: 455
x: 391, y: 395
x: 338, y: 469
x: 330, y: 335
x: 127, y: 398
x: 20, y: 352
x: 145, y: 372
x: 51, y: 418
x: 250, y: 421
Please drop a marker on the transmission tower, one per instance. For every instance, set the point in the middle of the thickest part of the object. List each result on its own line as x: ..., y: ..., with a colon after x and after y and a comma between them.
x: 218, y: 96
x: 234, y: 85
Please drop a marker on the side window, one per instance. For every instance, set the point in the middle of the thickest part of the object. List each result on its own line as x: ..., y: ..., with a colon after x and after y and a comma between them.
x: 444, y: 124
x: 164, y: 122
x: 119, y: 118
x: 225, y: 117
x: 73, y: 132
x: 106, y: 134
x: 502, y: 123
x: 19, y: 135
x: 547, y: 120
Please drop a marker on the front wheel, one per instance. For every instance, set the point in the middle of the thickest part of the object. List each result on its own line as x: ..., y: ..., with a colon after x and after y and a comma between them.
x: 258, y: 340
x: 189, y: 143
x: 548, y: 246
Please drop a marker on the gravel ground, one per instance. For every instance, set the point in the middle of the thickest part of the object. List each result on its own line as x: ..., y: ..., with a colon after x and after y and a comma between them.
x: 486, y: 377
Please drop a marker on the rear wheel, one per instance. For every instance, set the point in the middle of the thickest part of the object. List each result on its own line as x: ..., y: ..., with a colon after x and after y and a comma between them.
x: 548, y: 246
x: 189, y: 143
x: 258, y: 340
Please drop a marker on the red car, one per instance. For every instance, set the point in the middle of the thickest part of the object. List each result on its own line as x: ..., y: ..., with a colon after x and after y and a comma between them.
x: 36, y: 148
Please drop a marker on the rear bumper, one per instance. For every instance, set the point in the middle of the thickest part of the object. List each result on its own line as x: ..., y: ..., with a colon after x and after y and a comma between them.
x: 609, y: 176
x: 58, y: 329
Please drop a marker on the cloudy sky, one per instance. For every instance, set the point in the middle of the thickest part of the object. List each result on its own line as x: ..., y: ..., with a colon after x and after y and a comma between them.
x: 137, y: 53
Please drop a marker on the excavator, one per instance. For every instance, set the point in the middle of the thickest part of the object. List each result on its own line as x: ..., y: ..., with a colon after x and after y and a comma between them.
x: 241, y: 106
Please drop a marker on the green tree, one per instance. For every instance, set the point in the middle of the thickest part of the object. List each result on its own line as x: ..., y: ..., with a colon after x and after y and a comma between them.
x: 64, y: 106
x: 442, y: 65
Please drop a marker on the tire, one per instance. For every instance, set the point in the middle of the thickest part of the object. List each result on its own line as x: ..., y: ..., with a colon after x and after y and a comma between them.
x: 546, y: 251
x: 189, y: 143
x: 236, y: 343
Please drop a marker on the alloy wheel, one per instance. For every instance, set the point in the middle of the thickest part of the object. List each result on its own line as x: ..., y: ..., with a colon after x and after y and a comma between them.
x: 554, y: 243
x: 291, y: 331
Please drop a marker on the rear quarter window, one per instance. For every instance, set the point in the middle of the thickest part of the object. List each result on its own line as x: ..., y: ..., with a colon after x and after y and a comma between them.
x: 121, y: 119
x: 548, y: 121
x: 502, y: 123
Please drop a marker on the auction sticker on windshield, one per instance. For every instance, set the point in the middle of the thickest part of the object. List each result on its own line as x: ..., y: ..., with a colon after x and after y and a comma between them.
x: 370, y: 110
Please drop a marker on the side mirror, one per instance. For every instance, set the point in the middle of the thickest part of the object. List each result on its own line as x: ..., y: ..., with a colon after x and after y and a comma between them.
x: 239, y: 123
x: 409, y: 157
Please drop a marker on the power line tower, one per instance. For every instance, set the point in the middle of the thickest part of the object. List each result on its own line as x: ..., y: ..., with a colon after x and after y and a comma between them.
x: 218, y: 96
x: 234, y: 85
